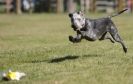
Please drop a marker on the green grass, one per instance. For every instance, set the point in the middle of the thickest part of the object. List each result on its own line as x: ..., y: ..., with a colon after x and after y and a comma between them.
x: 38, y: 45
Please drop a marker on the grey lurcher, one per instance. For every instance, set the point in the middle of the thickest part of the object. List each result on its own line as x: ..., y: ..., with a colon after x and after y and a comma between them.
x: 95, y: 29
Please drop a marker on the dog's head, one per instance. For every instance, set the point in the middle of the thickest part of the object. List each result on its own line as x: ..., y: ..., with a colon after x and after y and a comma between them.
x: 77, y: 20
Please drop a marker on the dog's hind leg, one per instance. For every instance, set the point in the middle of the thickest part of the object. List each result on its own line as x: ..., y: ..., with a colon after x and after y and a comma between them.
x: 117, y: 38
x: 106, y: 36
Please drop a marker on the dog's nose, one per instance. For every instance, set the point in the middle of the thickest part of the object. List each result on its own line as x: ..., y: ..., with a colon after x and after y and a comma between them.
x: 70, y: 14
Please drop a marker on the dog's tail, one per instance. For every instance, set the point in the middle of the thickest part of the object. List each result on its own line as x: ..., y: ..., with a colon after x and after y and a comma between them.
x: 120, y: 12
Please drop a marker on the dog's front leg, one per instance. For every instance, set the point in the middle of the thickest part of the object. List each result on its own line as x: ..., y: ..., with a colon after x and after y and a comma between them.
x: 75, y: 39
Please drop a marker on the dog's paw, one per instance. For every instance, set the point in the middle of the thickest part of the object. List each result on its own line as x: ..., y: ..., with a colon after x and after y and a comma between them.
x: 125, y: 49
x: 71, y: 38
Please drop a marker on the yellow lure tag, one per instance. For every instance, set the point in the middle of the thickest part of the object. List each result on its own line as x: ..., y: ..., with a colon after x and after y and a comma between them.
x: 11, y: 75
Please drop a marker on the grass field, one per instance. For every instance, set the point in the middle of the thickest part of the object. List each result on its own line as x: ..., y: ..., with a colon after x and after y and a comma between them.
x: 38, y: 45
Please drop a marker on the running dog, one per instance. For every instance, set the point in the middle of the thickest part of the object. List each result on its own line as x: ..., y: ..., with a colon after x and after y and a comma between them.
x: 95, y: 29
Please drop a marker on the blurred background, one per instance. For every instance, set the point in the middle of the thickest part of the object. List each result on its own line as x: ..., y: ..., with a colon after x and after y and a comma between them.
x: 61, y: 6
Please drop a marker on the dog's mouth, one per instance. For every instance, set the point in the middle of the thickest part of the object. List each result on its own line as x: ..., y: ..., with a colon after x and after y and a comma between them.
x: 75, y: 28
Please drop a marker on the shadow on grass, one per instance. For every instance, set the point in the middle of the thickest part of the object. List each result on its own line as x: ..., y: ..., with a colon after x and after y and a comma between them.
x: 56, y: 60
x: 60, y: 59
x: 71, y: 57
x: 68, y: 57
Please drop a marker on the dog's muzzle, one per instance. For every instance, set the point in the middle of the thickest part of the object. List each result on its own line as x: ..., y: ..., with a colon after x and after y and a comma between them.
x: 74, y: 28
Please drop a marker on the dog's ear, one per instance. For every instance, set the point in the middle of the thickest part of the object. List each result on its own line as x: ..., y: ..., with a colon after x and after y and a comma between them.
x: 81, y: 13
x: 70, y: 15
